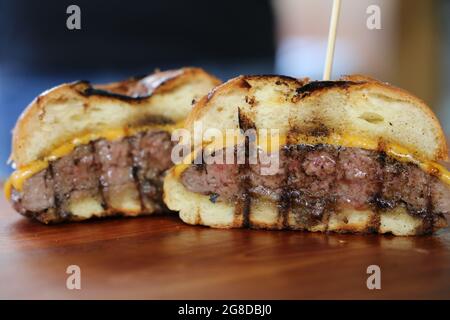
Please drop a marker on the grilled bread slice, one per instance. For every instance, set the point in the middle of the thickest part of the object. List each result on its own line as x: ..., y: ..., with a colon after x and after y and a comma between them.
x: 355, y: 155
x: 83, y: 150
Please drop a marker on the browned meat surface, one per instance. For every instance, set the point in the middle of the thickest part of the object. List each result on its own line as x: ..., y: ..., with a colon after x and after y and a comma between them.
x: 151, y: 157
x: 269, y: 186
x: 409, y: 184
x: 116, y: 176
x: 311, y: 176
x: 359, y: 177
x: 102, y: 170
x: 312, y: 179
x: 217, y: 179
x: 440, y: 197
x: 37, y: 195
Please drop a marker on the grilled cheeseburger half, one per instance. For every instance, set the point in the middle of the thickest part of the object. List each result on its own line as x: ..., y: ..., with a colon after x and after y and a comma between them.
x: 83, y: 150
x: 355, y: 155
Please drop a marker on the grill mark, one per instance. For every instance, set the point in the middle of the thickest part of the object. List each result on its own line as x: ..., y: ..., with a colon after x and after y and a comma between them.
x: 284, y: 207
x: 245, y: 123
x: 100, y: 185
x: 284, y: 204
x: 313, y: 86
x: 296, y: 207
x: 244, y: 201
x: 135, y: 168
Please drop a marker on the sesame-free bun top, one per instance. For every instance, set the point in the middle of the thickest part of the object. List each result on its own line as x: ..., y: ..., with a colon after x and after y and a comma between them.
x: 73, y: 109
x: 354, y: 105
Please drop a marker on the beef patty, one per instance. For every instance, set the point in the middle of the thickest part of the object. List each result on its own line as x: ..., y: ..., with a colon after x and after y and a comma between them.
x: 102, y: 170
x: 312, y: 179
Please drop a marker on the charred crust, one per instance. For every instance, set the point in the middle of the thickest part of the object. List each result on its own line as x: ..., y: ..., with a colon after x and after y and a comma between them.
x: 133, y: 89
x: 91, y: 91
x: 280, y: 79
x: 245, y: 122
x: 314, y: 86
x: 378, y: 202
x: 100, y: 185
x: 244, y: 84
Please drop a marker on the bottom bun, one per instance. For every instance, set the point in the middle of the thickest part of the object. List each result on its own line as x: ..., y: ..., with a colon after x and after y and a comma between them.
x: 198, y: 209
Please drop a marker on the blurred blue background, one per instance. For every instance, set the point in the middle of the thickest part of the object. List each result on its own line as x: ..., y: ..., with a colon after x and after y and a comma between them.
x: 120, y: 39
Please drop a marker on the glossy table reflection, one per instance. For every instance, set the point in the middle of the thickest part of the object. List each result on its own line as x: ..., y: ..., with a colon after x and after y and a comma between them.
x: 161, y: 258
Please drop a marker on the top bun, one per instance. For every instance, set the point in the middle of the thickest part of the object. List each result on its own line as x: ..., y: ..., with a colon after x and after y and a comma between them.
x: 66, y: 111
x: 353, y: 105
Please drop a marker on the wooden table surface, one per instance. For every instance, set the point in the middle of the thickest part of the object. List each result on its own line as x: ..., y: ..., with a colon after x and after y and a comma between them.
x: 161, y: 258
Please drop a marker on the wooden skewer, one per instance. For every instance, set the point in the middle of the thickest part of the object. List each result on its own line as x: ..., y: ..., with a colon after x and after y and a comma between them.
x: 331, y: 39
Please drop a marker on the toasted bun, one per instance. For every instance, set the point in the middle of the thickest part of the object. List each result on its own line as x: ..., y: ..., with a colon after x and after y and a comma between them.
x: 354, y: 105
x: 69, y: 110
x: 197, y: 209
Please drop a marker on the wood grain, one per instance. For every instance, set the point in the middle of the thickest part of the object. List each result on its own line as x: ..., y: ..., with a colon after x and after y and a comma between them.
x: 161, y: 258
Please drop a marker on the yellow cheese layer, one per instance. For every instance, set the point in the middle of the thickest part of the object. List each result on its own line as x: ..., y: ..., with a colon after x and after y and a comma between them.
x: 18, y: 178
x: 393, y: 150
